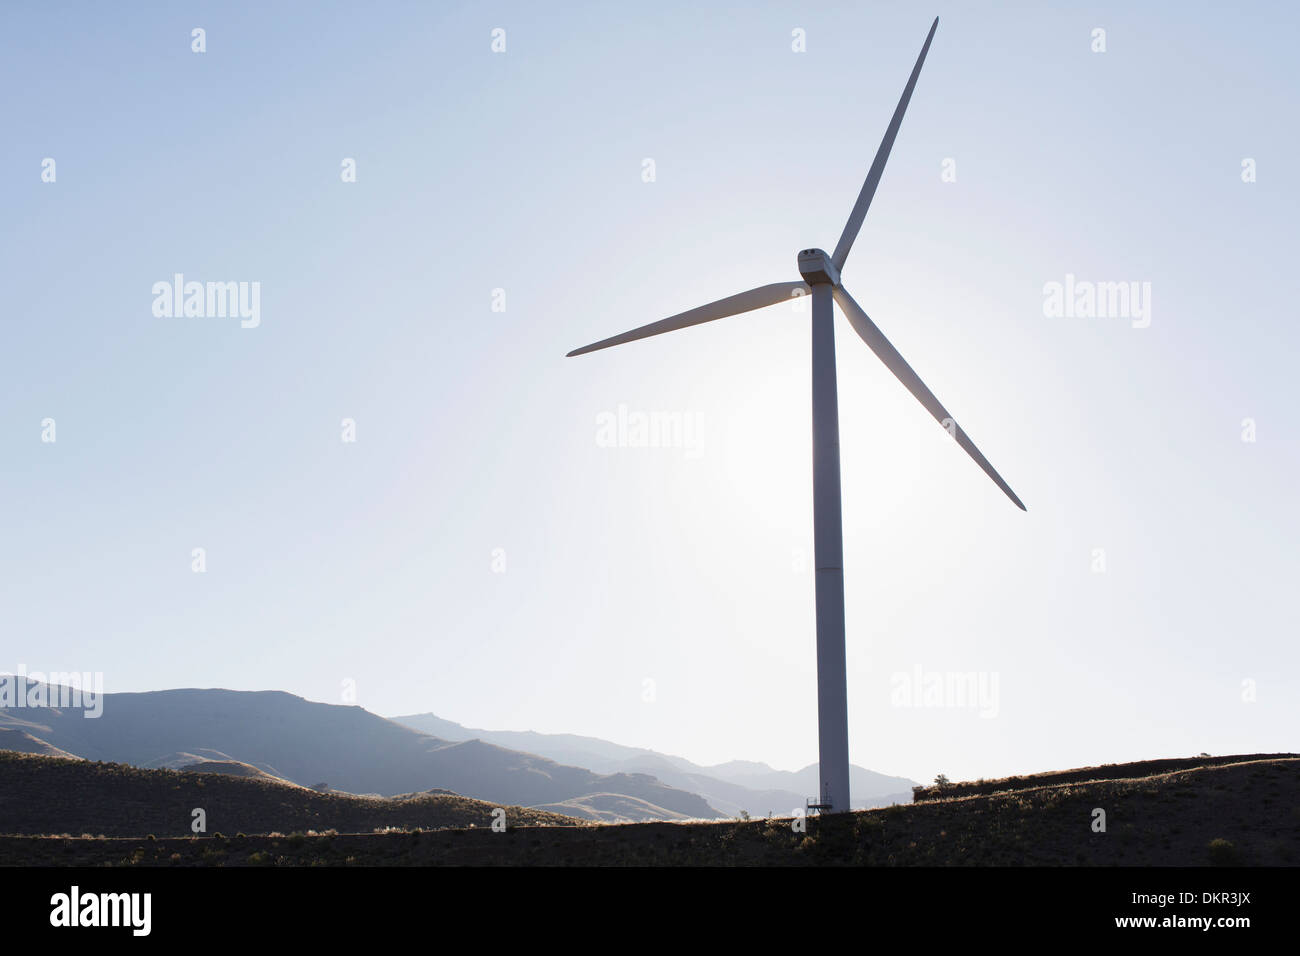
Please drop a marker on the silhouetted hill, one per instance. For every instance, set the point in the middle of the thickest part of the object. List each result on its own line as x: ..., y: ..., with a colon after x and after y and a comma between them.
x: 49, y: 795
x: 1227, y: 814
x: 11, y: 738
x: 234, y: 768
x: 348, y: 748
x: 185, y: 759
x: 730, y: 787
x: 1143, y: 768
x: 611, y: 808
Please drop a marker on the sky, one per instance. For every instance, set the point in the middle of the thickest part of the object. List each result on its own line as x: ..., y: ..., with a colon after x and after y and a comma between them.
x: 487, y: 548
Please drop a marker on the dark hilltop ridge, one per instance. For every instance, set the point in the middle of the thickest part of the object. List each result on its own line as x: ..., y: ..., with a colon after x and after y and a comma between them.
x: 41, y: 795
x: 1223, y: 811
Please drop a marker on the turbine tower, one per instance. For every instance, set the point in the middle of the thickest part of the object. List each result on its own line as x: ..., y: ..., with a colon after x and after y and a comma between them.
x: 821, y: 280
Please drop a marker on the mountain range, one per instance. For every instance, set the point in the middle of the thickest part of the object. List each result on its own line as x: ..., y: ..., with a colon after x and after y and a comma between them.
x: 733, y: 787
x: 277, y: 736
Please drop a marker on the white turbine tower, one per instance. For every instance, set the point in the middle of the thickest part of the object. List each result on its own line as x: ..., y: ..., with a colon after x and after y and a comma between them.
x: 821, y: 279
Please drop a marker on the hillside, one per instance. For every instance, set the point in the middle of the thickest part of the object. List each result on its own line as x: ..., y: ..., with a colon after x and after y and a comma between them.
x: 1144, y: 768
x: 20, y: 741
x: 732, y: 787
x: 42, y: 795
x: 610, y: 808
x: 234, y: 768
x: 1242, y: 813
x: 345, y: 747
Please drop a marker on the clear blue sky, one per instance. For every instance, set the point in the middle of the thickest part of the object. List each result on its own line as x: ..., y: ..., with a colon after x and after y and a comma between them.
x: 372, y: 561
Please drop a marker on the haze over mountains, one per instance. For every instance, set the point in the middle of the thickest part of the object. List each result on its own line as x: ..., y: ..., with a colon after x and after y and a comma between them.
x: 275, y: 735
x: 730, y: 787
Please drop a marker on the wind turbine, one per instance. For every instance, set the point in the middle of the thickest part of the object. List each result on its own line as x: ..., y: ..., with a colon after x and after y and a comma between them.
x: 821, y: 279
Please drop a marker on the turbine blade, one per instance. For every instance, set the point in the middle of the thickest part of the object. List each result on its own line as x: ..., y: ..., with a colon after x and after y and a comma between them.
x: 731, y: 305
x: 886, y: 352
x: 860, y: 208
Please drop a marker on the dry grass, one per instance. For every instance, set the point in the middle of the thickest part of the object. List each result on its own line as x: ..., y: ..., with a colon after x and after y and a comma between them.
x: 1244, y: 813
x: 41, y: 795
x: 1110, y: 771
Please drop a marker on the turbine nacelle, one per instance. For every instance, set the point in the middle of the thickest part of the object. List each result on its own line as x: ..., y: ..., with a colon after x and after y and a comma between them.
x: 817, y: 267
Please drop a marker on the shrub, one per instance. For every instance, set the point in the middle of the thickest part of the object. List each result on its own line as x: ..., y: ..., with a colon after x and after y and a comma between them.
x: 1223, y: 853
